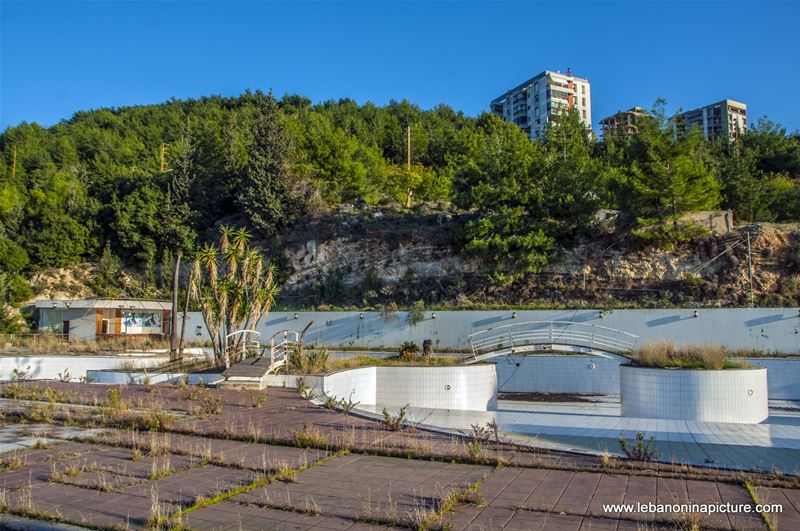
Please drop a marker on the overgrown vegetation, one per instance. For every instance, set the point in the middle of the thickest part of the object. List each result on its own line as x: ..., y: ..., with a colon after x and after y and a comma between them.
x: 308, y: 361
x: 666, y: 354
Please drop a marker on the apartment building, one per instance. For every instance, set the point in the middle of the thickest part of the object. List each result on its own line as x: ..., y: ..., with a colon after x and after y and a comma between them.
x: 726, y: 118
x: 623, y: 124
x: 532, y: 104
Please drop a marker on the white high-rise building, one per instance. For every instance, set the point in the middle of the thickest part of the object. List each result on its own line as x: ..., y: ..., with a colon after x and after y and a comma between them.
x: 532, y: 104
x: 726, y: 118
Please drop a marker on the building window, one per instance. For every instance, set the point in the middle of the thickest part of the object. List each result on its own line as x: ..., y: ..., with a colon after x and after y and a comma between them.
x: 583, y: 102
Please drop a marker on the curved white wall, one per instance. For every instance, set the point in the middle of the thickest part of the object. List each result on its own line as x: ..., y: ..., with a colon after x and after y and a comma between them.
x: 729, y: 395
x: 471, y: 388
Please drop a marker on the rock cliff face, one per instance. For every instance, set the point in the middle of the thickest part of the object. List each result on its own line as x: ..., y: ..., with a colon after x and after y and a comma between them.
x: 363, y: 260
x: 377, y: 259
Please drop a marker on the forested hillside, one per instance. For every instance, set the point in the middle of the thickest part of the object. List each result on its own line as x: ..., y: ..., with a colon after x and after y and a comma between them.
x: 130, y: 187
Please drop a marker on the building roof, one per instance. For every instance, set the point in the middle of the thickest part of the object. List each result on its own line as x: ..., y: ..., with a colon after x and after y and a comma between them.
x: 721, y: 102
x: 633, y: 110
x: 534, y: 78
x: 124, y: 304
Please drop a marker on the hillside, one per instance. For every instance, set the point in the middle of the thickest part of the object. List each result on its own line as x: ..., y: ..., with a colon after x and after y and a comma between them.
x: 103, y: 203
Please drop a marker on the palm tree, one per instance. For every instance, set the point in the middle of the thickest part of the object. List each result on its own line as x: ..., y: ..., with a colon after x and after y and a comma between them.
x: 234, y: 289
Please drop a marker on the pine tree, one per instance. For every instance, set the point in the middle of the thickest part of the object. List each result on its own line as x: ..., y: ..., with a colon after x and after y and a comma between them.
x: 264, y: 194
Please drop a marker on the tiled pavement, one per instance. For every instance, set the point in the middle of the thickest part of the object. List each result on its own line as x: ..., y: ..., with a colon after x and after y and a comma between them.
x: 356, y: 491
x: 523, y: 498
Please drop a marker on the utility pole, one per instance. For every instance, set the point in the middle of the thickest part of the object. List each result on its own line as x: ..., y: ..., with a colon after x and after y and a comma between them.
x: 750, y: 268
x: 14, y: 163
x: 408, y: 149
x: 408, y: 162
x: 163, y: 157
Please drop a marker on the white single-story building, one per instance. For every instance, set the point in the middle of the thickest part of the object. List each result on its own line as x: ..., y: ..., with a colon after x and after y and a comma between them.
x: 98, y: 319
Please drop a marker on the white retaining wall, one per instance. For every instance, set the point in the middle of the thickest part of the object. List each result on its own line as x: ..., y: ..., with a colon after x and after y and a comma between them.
x: 767, y: 329
x: 472, y: 388
x: 727, y: 395
x: 43, y: 367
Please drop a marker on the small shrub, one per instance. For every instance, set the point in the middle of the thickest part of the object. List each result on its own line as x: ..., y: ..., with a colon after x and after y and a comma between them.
x: 114, y: 398
x: 348, y: 405
x: 640, y: 449
x: 302, y: 388
x: 330, y: 402
x: 64, y: 376
x: 484, y: 434
x: 257, y: 399
x: 409, y: 349
x: 211, y: 404
x: 310, y: 362
x: 474, y: 449
x: 395, y: 422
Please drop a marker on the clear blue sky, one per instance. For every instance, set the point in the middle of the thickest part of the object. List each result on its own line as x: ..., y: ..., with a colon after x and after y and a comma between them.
x: 58, y: 58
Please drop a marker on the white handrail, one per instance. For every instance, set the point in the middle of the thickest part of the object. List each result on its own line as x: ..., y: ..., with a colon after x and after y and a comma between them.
x: 568, y: 333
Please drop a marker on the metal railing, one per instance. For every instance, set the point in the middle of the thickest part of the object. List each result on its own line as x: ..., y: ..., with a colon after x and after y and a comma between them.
x: 543, y: 335
x: 282, y: 343
x: 243, y: 344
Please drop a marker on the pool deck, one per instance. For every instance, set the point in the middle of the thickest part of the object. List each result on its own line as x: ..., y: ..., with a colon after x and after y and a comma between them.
x: 385, y: 479
x: 597, y: 426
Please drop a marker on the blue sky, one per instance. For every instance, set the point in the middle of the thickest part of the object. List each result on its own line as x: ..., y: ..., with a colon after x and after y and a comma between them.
x: 58, y: 58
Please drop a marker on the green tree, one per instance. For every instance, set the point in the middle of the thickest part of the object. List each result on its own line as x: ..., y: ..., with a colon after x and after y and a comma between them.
x: 492, y: 176
x: 668, y: 178
x: 264, y: 196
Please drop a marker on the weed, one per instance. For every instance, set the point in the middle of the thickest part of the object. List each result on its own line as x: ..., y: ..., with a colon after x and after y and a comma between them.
x: 257, y: 399
x: 474, y: 449
x: 211, y: 405
x: 160, y: 471
x: 772, y: 525
x: 13, y: 460
x: 64, y: 376
x: 608, y: 461
x: 330, y: 402
x: 395, y: 422
x: 114, y: 399
x: 253, y: 431
x: 348, y: 405
x: 640, y: 449
x: 309, y: 437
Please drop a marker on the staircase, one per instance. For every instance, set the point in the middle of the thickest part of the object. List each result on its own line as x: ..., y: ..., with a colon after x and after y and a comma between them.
x: 251, y: 372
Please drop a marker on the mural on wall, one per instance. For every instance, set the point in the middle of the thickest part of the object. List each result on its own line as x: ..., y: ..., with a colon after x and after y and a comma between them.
x: 141, y: 322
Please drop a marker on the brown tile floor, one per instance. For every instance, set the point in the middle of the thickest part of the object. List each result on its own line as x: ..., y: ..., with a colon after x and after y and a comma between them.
x: 97, y: 482
x: 516, y: 495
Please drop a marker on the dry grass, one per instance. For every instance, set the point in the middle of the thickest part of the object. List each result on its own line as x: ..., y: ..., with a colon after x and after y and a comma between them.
x: 368, y: 361
x: 56, y: 344
x: 666, y: 354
